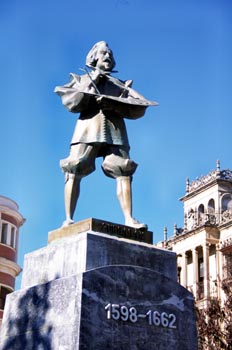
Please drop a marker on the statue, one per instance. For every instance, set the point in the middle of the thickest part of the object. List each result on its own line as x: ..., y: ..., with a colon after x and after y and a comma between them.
x: 103, y: 102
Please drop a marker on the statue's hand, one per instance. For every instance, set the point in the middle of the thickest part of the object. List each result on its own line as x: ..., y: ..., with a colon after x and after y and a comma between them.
x: 103, y: 103
x: 95, y: 75
x: 99, y: 99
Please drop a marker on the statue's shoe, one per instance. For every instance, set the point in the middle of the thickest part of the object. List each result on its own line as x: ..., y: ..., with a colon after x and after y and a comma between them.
x: 135, y: 224
x: 67, y: 222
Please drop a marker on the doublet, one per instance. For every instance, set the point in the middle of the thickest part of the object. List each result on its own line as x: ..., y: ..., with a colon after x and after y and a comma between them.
x: 95, y: 125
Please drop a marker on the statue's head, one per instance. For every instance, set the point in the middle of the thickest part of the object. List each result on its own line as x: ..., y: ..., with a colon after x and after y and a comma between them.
x: 101, y: 56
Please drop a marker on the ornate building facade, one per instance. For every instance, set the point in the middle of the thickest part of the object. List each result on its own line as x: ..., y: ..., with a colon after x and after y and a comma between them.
x: 204, y: 245
x: 10, y: 222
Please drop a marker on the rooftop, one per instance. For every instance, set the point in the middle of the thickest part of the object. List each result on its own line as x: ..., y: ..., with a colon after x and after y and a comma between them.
x: 9, y: 203
x: 216, y: 174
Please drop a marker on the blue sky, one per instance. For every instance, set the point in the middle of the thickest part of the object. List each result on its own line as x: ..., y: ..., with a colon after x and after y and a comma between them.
x: 178, y: 52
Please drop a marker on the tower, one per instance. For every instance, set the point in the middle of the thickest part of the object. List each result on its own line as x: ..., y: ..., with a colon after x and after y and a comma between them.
x: 204, y: 245
x: 10, y: 222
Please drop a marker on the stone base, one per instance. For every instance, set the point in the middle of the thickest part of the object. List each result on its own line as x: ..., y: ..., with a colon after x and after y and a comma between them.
x: 113, y: 307
x: 101, y: 226
x: 92, y: 291
x: 89, y: 250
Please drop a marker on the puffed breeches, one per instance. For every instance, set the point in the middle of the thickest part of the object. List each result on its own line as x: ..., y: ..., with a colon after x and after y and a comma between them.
x: 81, y: 161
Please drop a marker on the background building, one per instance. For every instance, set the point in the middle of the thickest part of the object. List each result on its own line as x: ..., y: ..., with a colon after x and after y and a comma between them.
x: 10, y: 222
x: 204, y: 245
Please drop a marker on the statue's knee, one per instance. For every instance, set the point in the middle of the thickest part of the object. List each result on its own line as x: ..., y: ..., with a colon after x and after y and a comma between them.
x: 68, y: 177
x: 115, y: 166
x: 80, y: 166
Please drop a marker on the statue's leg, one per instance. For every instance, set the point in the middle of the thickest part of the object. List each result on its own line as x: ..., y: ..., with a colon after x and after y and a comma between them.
x: 71, y: 195
x: 124, y: 194
x: 80, y: 163
x: 118, y: 165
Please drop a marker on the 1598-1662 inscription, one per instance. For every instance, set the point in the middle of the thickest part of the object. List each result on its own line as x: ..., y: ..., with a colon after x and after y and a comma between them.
x: 130, y: 314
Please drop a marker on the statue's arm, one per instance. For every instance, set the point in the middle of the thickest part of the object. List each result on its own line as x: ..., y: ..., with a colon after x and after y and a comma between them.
x: 133, y: 93
x: 127, y: 104
x: 76, y: 94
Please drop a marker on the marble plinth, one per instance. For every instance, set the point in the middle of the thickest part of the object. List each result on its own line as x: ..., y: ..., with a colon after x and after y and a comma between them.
x: 113, y: 307
x: 102, y: 226
x: 88, y: 250
x: 94, y: 291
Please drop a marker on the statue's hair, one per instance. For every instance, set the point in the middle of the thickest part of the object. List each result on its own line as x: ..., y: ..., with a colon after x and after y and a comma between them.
x: 91, y: 57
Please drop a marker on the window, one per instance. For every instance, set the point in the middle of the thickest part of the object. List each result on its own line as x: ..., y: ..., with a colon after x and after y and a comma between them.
x: 3, y: 293
x: 179, y: 274
x: 212, y: 262
x: 201, y: 269
x: 12, y: 237
x: 4, y: 233
x: 211, y: 206
x: 201, y: 209
x: 8, y: 234
x: 201, y: 216
x: 227, y: 268
x: 227, y: 202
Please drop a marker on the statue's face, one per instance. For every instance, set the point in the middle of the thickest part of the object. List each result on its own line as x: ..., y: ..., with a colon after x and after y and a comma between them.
x: 104, y: 58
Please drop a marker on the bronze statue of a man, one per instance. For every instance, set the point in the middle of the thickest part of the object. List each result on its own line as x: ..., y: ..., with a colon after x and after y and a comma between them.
x: 103, y: 102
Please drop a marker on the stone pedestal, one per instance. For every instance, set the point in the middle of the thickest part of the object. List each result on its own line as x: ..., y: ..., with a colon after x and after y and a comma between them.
x: 96, y: 292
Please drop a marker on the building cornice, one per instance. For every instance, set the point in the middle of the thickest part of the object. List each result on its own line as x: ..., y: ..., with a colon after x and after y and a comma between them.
x: 201, y: 184
x: 226, y: 245
x: 15, y: 214
x: 10, y: 267
x: 203, y: 228
x: 225, y: 224
x: 198, y: 190
x: 8, y: 202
